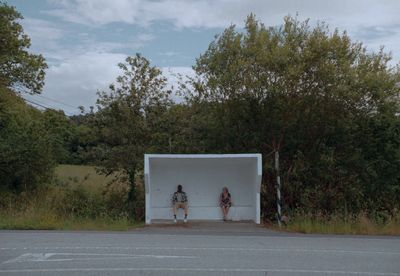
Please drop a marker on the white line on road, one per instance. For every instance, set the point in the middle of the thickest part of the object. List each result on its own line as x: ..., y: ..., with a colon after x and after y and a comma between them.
x: 243, y: 270
x: 45, y: 257
x: 210, y: 248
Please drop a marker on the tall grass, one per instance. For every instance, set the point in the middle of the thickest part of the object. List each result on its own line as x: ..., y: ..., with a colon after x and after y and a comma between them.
x: 63, y: 209
x: 361, y: 224
x: 48, y: 221
x: 83, y: 200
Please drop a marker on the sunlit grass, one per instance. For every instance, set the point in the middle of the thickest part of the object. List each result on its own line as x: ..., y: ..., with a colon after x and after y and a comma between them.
x: 48, y: 221
x: 358, y: 225
x: 72, y: 176
x: 79, y: 199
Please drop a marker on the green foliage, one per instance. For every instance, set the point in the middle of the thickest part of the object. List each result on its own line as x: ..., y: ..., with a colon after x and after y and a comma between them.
x: 124, y: 118
x: 26, y: 160
x: 19, y: 69
x: 359, y: 224
x: 61, y: 132
x: 324, y: 102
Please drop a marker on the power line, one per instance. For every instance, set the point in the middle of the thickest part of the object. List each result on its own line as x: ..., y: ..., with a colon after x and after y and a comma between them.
x: 57, y: 101
x: 53, y: 100
x: 37, y: 104
x: 45, y: 107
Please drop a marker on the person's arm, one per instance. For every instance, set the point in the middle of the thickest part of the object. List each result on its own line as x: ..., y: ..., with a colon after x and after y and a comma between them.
x: 174, y: 198
x: 185, y: 199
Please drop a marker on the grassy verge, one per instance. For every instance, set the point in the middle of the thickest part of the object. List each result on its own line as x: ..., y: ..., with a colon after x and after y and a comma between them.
x: 359, y: 225
x: 42, y: 221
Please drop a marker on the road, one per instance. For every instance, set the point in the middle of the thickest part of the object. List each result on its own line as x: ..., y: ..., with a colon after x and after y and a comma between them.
x: 195, y: 249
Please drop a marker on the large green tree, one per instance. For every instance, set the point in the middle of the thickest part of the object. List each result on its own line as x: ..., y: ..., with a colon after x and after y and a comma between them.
x: 308, y: 93
x: 124, y: 118
x: 20, y: 70
x: 26, y: 156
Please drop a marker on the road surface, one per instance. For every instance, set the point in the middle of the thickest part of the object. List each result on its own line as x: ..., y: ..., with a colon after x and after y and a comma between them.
x: 195, y: 249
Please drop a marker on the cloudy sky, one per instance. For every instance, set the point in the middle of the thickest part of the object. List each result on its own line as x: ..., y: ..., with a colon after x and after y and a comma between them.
x: 84, y: 40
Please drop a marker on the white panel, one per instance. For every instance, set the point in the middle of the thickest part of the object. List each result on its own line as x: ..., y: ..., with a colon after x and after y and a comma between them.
x: 148, y: 209
x: 203, y: 179
x: 258, y: 209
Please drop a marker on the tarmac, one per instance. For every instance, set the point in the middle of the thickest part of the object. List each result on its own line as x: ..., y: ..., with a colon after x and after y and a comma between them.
x: 196, y: 248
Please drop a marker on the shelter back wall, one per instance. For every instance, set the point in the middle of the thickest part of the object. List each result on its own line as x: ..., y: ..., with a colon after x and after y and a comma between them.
x: 202, y: 180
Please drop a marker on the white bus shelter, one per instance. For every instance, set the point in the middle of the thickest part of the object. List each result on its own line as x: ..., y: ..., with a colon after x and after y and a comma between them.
x: 203, y: 176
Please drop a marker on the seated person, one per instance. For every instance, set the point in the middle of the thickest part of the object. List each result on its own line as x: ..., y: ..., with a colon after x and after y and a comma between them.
x: 225, y: 202
x: 179, y: 200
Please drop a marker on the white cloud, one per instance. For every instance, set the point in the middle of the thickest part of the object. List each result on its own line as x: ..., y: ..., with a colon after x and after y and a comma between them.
x: 44, y: 34
x: 355, y: 16
x: 76, y: 80
x: 220, y: 13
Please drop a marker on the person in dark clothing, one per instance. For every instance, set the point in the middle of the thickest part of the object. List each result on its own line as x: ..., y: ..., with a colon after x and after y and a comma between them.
x: 225, y: 202
x: 180, y: 201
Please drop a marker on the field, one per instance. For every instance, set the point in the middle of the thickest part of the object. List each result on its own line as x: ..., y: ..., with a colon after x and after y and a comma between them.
x: 87, y: 177
x: 79, y: 199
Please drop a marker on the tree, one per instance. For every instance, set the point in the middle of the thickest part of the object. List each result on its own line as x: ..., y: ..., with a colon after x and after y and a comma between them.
x: 61, y: 132
x: 19, y: 69
x: 26, y: 158
x: 303, y: 91
x: 124, y: 117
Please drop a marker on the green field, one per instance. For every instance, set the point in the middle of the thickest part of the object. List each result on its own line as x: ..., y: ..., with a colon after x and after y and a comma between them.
x: 73, y: 176
x: 79, y: 199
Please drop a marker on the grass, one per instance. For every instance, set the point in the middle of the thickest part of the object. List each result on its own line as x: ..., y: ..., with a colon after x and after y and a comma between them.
x: 81, y: 175
x: 52, y: 222
x: 79, y: 199
x: 360, y: 225
x: 39, y: 211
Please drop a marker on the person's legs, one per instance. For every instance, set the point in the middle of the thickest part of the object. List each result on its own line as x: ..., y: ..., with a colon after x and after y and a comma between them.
x: 186, y: 210
x: 226, y: 211
x: 176, y: 207
x: 183, y: 206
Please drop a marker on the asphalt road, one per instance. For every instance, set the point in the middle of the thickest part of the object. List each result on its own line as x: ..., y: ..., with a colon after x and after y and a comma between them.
x: 195, y: 249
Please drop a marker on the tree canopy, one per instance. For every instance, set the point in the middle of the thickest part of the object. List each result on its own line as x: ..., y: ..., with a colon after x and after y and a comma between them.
x: 309, y: 93
x: 20, y: 70
x: 125, y: 117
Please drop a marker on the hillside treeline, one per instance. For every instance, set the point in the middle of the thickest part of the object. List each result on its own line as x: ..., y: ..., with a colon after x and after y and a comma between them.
x: 326, y: 103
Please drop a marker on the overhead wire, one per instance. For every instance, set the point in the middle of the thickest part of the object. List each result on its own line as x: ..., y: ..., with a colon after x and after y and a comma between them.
x: 53, y: 100
x: 46, y: 107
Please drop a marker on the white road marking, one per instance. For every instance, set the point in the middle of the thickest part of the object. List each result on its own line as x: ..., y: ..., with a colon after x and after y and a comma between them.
x: 45, y: 257
x: 243, y: 270
x: 211, y: 248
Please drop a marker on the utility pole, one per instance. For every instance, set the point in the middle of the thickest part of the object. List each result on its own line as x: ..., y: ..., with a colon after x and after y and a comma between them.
x: 278, y: 189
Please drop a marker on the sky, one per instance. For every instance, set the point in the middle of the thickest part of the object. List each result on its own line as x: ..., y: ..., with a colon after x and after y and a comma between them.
x: 84, y: 40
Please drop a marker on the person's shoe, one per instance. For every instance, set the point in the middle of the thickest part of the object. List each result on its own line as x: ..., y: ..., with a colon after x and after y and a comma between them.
x: 185, y: 220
